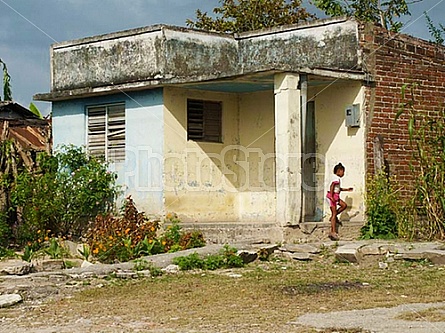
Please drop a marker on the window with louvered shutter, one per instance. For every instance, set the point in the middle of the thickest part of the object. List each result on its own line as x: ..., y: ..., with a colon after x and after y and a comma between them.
x: 204, y: 120
x: 106, y: 132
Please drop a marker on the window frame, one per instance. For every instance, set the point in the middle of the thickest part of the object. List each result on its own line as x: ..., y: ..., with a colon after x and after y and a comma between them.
x: 210, y: 120
x: 108, y: 151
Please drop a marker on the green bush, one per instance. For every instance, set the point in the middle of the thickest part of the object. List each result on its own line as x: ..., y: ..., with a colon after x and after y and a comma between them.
x: 425, y: 212
x: 227, y: 258
x: 381, y: 208
x: 66, y: 191
x: 5, y: 230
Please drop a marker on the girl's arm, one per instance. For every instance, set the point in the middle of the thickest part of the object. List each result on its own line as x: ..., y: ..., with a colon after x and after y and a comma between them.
x: 349, y: 189
x: 331, y: 189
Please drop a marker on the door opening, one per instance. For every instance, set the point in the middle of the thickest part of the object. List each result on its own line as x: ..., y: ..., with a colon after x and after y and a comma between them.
x: 309, y: 165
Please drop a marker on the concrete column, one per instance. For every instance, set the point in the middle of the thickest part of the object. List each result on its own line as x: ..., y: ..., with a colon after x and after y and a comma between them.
x: 288, y: 149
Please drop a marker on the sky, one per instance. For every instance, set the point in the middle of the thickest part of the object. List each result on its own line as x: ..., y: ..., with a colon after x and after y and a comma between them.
x: 29, y: 27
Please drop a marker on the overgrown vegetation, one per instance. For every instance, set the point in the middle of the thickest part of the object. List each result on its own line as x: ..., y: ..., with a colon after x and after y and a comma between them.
x: 227, y: 258
x: 427, y: 141
x: 382, y: 208
x: 7, y: 94
x: 133, y: 235
x: 66, y: 191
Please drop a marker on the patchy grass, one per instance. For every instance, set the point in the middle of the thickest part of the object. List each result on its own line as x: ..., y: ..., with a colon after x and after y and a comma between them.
x: 268, y: 296
x: 433, y: 315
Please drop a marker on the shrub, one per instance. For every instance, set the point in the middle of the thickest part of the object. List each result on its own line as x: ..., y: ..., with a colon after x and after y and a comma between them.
x: 227, y: 258
x: 133, y: 235
x: 381, y: 208
x: 123, y: 238
x: 426, y: 211
x: 5, y: 230
x: 66, y: 191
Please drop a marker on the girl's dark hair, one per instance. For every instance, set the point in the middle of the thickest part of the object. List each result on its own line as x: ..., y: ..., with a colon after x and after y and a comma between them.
x: 339, y: 166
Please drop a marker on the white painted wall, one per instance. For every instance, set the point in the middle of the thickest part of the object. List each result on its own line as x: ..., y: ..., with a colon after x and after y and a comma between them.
x: 337, y: 143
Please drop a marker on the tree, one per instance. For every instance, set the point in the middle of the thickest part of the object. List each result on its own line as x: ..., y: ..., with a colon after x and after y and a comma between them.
x: 385, y: 12
x: 234, y: 16
x: 436, y: 32
x: 7, y: 95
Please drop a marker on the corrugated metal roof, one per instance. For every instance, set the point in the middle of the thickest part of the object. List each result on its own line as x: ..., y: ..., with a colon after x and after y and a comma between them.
x: 30, y: 135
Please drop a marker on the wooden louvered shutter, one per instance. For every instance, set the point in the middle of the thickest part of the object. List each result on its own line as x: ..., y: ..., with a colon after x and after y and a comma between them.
x: 96, y: 131
x: 204, y: 120
x: 116, y: 133
x: 195, y: 120
x: 212, y: 121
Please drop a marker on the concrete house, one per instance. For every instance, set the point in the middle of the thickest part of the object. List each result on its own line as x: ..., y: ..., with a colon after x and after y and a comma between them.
x: 240, y: 133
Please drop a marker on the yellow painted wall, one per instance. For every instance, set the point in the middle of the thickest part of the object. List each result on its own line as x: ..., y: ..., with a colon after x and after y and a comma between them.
x: 221, y: 182
x: 199, y: 178
x: 337, y: 143
x: 257, y: 137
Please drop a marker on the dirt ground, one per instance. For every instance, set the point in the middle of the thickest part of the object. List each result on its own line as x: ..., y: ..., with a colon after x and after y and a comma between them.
x: 262, y: 297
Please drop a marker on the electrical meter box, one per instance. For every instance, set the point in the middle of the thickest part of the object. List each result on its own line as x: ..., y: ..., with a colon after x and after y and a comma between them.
x: 352, y: 113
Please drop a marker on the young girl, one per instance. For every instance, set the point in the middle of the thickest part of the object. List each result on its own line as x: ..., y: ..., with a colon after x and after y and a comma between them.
x: 334, y: 198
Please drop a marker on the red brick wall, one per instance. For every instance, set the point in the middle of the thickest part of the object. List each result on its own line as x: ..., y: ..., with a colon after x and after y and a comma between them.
x: 394, y: 60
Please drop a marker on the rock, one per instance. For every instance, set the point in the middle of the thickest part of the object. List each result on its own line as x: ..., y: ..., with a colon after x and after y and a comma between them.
x: 126, y: 274
x: 415, y: 254
x: 15, y: 267
x: 71, y: 248
x: 171, y: 269
x: 235, y: 276
x: 301, y: 256
x: 144, y: 273
x: 437, y: 257
x: 270, y: 248
x: 301, y: 248
x: 86, y: 264
x: 9, y: 300
x: 248, y: 256
x: 383, y: 265
x: 47, y: 265
x: 373, y: 249
x: 349, y: 253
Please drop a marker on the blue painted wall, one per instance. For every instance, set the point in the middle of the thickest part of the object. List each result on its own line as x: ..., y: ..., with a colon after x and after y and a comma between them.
x: 141, y: 173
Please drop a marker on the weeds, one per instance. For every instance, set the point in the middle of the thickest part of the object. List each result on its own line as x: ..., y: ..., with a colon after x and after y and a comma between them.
x: 85, y: 252
x: 382, y: 208
x: 227, y: 258
x: 426, y: 210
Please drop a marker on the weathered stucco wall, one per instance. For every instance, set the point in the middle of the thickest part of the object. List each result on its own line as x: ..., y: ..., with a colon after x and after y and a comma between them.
x: 338, y: 143
x: 200, y: 178
x: 223, y: 182
x: 148, y: 54
x: 333, y: 45
x: 257, y: 157
x: 159, y: 55
x: 141, y: 173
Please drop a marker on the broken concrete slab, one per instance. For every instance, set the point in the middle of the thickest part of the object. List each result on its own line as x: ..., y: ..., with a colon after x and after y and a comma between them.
x: 301, y: 256
x: 248, y: 256
x: 349, y: 253
x: 9, y: 300
x: 15, y: 267
x: 373, y: 249
x: 301, y: 248
x: 437, y: 257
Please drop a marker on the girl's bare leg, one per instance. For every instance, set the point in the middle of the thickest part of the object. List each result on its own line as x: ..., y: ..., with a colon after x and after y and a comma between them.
x: 333, y: 219
x: 343, y: 206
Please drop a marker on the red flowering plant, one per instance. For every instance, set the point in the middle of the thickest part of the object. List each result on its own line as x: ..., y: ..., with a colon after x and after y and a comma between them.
x: 123, y: 238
